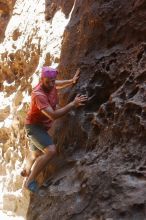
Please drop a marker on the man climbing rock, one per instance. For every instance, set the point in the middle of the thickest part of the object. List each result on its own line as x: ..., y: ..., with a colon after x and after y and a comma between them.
x: 39, y: 119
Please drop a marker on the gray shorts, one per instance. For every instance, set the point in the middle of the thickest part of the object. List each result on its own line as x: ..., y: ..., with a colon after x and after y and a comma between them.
x: 38, y: 136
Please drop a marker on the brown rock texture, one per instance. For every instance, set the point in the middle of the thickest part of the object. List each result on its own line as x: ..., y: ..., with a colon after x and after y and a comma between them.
x: 6, y: 8
x: 105, y: 139
x: 99, y: 173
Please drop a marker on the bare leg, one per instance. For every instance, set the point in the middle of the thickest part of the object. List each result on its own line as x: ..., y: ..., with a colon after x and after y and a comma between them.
x: 41, y: 162
x: 29, y: 161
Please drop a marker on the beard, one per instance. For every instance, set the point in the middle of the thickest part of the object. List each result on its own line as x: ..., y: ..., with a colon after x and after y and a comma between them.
x: 47, y: 88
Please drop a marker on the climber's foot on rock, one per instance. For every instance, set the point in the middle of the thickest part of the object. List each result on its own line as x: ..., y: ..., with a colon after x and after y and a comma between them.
x: 32, y: 186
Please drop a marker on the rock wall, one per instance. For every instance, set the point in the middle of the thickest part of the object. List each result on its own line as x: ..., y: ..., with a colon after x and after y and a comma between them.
x: 105, y: 140
x: 6, y: 8
x: 100, y: 170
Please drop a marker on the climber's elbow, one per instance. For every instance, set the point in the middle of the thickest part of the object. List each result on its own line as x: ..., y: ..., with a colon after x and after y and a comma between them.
x: 49, y: 112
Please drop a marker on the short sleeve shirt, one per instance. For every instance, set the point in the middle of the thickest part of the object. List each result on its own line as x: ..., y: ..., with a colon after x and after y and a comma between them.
x: 41, y: 100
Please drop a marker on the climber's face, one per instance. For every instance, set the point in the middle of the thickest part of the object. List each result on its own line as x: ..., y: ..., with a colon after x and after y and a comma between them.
x: 48, y: 83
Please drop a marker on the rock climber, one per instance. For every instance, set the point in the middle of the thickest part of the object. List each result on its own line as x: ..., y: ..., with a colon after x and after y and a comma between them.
x: 39, y: 119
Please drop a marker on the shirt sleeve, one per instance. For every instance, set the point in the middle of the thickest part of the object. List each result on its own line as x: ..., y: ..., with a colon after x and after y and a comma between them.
x: 41, y: 102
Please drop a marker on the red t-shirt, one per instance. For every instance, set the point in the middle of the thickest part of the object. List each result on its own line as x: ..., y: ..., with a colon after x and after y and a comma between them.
x: 40, y: 100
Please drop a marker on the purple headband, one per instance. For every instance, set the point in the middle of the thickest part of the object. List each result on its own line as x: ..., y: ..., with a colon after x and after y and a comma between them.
x: 48, y: 72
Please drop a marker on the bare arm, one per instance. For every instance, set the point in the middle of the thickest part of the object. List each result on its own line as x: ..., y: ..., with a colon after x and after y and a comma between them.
x: 50, y: 113
x: 63, y: 83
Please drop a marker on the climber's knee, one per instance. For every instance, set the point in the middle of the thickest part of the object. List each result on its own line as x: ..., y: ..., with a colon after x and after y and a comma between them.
x: 50, y: 151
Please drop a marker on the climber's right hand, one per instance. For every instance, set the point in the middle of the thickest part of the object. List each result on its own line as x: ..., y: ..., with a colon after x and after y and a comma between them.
x: 80, y: 100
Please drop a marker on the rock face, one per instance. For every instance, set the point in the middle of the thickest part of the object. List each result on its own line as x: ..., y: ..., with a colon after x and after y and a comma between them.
x: 106, y: 138
x: 6, y: 8
x: 100, y: 170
